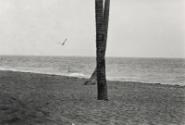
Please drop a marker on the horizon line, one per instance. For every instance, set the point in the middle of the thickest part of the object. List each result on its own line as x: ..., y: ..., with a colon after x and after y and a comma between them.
x: 91, y: 56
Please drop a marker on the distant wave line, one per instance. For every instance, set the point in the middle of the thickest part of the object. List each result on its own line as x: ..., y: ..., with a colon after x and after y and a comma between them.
x: 80, y: 75
x: 73, y: 74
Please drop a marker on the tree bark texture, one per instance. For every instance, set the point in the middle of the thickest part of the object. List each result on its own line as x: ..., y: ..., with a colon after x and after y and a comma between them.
x: 102, y: 15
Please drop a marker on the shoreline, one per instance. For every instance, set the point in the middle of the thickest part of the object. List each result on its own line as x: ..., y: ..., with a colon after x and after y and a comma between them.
x: 85, y: 77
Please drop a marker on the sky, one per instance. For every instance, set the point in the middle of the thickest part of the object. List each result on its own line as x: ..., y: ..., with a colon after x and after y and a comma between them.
x: 137, y: 28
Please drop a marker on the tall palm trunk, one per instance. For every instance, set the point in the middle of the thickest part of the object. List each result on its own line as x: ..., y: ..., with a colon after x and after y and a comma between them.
x: 93, y: 79
x: 102, y: 14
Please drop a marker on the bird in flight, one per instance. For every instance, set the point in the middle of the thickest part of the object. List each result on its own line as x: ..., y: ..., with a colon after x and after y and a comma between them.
x: 63, y: 43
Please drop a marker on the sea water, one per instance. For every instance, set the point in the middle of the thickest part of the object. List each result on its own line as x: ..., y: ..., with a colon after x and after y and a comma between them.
x: 151, y: 70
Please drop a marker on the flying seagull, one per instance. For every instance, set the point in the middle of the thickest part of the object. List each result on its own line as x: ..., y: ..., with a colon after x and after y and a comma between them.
x: 63, y: 43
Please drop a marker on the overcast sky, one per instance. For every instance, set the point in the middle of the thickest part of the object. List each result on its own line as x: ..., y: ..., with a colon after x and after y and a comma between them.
x: 138, y: 28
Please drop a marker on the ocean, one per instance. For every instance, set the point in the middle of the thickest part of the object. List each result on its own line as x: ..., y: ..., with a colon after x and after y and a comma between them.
x: 150, y: 70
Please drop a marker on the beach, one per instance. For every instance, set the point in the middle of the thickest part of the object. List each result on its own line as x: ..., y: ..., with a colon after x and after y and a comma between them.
x: 40, y: 99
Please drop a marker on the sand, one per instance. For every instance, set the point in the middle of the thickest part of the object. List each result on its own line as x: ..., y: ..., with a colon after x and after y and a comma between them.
x: 40, y: 99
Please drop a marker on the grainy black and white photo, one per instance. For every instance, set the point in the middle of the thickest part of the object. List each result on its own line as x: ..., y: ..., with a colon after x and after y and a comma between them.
x: 92, y: 62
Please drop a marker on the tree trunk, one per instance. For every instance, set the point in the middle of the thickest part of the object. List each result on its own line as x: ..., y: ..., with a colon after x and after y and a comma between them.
x: 102, y: 12
x: 93, y: 79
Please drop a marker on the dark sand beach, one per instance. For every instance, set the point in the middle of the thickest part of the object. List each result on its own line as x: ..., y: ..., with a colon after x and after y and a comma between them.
x: 40, y: 99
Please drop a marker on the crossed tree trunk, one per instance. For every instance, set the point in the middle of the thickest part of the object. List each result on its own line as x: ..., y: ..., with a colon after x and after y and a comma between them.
x: 99, y: 74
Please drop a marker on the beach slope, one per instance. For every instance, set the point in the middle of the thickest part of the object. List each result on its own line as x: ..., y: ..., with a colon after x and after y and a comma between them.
x: 40, y: 99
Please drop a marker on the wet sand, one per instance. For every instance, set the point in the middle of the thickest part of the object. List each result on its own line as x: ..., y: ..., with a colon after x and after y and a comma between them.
x: 40, y: 99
